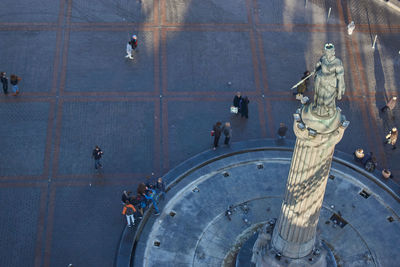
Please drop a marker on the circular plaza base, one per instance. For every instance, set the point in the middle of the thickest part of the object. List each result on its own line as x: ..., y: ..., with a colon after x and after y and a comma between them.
x: 218, y: 201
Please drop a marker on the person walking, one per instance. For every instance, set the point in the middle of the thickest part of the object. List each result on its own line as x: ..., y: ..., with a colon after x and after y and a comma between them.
x: 97, y: 153
x: 244, y: 107
x: 131, y: 46
x: 217, y: 133
x: 391, y: 137
x: 390, y: 105
x: 129, y: 211
x: 14, y: 80
x: 227, y: 130
x: 282, y: 131
x: 4, y: 81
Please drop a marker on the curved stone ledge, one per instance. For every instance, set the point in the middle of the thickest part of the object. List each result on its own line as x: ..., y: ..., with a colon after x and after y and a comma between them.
x: 203, y: 163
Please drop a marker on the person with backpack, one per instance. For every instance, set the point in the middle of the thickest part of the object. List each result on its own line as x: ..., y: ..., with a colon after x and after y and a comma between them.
x: 129, y: 211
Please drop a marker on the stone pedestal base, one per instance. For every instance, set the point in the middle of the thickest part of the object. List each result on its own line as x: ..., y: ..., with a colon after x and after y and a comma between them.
x: 265, y: 255
x: 270, y: 259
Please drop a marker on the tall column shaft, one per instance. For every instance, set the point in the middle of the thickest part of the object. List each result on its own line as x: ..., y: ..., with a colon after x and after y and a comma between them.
x: 295, y: 231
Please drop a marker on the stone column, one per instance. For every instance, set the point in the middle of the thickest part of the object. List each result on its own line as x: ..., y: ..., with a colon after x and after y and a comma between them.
x: 295, y: 232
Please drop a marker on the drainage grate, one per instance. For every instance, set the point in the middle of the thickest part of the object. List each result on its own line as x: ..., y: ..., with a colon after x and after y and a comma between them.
x: 225, y: 174
x: 172, y: 213
x: 337, y: 219
x: 260, y: 166
x: 364, y: 194
x: 157, y: 243
x: 390, y: 219
x: 196, y: 190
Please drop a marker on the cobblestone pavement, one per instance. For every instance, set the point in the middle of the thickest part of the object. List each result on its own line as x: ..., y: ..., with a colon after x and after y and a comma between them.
x: 150, y: 114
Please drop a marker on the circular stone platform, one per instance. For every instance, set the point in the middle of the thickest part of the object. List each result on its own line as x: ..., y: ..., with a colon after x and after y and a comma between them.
x: 359, y: 219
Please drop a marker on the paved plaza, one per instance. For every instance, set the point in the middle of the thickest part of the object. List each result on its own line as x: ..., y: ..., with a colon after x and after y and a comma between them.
x: 150, y: 114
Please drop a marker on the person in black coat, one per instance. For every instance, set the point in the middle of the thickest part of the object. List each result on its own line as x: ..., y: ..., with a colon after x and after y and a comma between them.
x: 236, y: 101
x: 4, y: 81
x: 244, y: 107
x: 217, y: 133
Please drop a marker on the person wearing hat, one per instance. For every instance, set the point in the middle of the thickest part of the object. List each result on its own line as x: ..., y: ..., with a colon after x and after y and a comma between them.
x: 390, y: 105
x: 131, y: 46
x: 391, y: 137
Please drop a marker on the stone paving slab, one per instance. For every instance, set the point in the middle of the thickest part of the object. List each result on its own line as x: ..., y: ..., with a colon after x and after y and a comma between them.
x: 92, y: 62
x: 84, y: 221
x: 363, y: 12
x: 129, y: 129
x: 201, y: 61
x: 30, y: 55
x: 382, y: 63
x: 23, y: 151
x: 195, y: 131
x: 20, y: 215
x: 205, y: 11
x: 296, y: 12
x: 17, y: 11
x: 112, y: 11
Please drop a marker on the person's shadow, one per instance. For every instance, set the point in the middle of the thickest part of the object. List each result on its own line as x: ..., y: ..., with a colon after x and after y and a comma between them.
x: 386, y: 116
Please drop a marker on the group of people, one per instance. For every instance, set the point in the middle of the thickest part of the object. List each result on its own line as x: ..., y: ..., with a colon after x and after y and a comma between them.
x: 240, y: 106
x: 146, y: 194
x: 14, y: 80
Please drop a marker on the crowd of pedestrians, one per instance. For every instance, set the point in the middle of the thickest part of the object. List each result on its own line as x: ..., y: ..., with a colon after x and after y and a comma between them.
x: 146, y: 194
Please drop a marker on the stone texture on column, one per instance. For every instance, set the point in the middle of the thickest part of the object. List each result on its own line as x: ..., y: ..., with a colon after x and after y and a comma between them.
x: 295, y: 232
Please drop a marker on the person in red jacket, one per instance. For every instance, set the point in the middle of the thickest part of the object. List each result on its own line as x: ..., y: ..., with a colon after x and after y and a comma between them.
x: 128, y: 211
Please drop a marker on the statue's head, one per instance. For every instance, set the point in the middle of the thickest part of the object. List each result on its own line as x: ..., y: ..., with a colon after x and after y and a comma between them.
x: 329, y: 50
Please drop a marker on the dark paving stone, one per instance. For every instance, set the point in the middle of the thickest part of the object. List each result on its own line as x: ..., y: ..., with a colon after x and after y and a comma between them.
x: 104, y: 68
x: 288, y: 12
x: 187, y: 138
x: 87, y: 219
x: 30, y: 55
x: 207, y: 61
x: 126, y: 138
x: 29, y: 11
x: 18, y: 225
x: 198, y: 11
x: 23, y: 137
x: 376, y: 11
x: 112, y: 11
x: 381, y: 64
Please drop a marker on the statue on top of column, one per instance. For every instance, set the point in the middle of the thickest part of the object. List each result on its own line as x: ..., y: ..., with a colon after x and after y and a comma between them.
x: 329, y: 83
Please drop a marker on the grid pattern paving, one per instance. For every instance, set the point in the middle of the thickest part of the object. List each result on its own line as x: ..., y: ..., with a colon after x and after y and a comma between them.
x: 152, y: 113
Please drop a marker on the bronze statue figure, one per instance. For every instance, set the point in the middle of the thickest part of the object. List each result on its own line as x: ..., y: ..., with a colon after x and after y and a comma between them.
x: 329, y: 83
